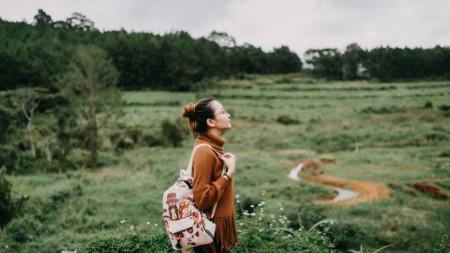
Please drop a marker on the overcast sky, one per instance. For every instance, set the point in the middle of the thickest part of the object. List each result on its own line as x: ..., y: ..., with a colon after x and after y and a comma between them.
x: 299, y: 24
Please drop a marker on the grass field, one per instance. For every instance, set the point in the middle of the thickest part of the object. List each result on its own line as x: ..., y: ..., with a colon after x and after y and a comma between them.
x: 381, y: 132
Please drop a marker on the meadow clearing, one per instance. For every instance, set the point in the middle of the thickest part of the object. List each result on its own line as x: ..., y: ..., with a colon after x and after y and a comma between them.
x: 394, y: 134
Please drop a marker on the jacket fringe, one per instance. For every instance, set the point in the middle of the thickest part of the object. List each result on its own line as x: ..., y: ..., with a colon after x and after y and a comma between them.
x: 226, y: 236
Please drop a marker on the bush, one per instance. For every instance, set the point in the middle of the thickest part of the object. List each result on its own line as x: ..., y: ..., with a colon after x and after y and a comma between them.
x: 6, y: 119
x: 350, y: 236
x: 286, y: 120
x: 129, y: 244
x: 428, y: 105
x: 444, y: 108
x: 247, y: 204
x: 383, y: 110
x: 7, y: 205
x: 257, y: 232
x: 309, y: 214
x: 8, y: 157
x: 346, y: 236
x: 171, y: 133
x: 107, y: 159
x: 125, y: 143
x: 23, y: 229
x: 151, y: 140
x: 261, y: 232
x: 444, y: 245
x: 437, y: 136
x: 24, y: 235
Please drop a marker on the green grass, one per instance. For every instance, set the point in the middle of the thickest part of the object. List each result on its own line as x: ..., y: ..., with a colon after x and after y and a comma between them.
x: 397, y: 141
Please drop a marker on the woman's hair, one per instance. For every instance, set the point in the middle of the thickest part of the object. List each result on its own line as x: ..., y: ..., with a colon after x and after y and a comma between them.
x: 198, y: 114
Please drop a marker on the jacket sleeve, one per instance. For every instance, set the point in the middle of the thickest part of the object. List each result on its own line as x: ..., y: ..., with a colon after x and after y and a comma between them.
x: 206, y: 192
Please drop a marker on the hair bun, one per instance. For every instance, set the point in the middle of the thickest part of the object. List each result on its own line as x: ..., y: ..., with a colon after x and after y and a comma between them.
x: 189, y: 111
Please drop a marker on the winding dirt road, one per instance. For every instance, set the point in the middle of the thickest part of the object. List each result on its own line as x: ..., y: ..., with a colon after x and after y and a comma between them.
x: 367, y: 191
x: 350, y: 192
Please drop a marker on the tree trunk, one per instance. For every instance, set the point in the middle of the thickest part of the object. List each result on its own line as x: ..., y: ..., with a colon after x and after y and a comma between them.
x: 93, y: 137
x: 31, y: 139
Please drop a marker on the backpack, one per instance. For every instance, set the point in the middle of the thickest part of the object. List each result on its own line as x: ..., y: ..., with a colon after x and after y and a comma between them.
x: 185, y: 224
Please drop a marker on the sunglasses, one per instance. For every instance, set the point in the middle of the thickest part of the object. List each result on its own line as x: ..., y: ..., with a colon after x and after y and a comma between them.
x: 222, y: 112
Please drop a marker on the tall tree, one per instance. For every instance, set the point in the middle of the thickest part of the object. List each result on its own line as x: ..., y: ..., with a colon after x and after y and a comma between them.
x: 90, y: 83
x: 42, y: 18
x: 222, y: 39
x: 326, y: 62
x: 27, y: 101
x: 283, y: 60
x: 80, y: 21
x: 352, y: 62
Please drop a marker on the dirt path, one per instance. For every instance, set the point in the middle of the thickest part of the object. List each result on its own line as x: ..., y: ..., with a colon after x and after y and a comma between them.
x: 103, y: 171
x: 367, y: 191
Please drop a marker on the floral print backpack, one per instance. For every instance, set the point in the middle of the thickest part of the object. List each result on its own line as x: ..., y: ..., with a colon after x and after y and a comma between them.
x: 186, y: 225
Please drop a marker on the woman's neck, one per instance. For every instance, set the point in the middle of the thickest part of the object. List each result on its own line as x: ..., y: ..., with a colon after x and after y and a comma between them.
x: 214, y: 132
x: 214, y: 136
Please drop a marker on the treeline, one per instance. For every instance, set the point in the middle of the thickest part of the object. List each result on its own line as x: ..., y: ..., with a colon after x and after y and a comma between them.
x: 383, y: 63
x: 35, y: 54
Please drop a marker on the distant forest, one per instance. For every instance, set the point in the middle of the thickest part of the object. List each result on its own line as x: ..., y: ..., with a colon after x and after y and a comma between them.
x: 34, y: 55
x: 382, y: 63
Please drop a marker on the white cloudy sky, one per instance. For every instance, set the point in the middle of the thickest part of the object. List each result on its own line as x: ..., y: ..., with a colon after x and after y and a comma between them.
x: 299, y: 24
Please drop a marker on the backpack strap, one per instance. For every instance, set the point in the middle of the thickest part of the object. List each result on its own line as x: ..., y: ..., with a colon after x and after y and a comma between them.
x: 188, y: 171
x: 189, y: 167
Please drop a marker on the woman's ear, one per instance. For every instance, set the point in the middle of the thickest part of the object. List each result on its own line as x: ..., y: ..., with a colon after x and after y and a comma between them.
x: 210, y: 122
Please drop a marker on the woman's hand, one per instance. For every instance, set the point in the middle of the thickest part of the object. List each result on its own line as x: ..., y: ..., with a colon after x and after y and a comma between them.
x: 230, y: 163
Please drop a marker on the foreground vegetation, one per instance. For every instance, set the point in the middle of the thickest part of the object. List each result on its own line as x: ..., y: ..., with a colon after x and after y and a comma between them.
x: 392, y: 133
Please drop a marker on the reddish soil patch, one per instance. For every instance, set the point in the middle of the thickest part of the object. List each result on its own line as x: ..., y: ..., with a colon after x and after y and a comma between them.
x: 311, y: 168
x: 368, y: 191
x: 430, y: 189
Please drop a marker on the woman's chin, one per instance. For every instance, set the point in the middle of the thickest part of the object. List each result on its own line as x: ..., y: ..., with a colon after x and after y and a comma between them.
x: 227, y: 127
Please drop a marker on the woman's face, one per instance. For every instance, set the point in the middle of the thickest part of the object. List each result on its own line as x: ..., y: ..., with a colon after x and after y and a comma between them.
x: 221, y: 119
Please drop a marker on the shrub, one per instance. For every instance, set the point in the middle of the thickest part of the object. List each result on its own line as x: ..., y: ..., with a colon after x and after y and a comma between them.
x: 8, y: 157
x: 247, y: 204
x: 444, y: 108
x: 257, y: 232
x: 6, y: 119
x: 135, y: 134
x: 125, y: 143
x: 347, y: 236
x: 350, y: 236
x: 444, y: 245
x: 60, y: 197
x: 261, y: 232
x: 129, y: 244
x: 286, y: 120
x: 382, y: 110
x: 7, y: 205
x: 437, y: 136
x: 428, y: 105
x: 151, y: 140
x: 107, y: 159
x: 308, y: 215
x: 78, y: 157
x: 22, y: 229
x: 24, y: 234
x: 171, y: 132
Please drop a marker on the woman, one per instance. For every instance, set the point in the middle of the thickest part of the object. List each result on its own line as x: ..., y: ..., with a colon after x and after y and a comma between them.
x: 207, y: 121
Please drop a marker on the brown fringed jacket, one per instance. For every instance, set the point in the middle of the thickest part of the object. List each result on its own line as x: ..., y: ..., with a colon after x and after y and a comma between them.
x: 210, y: 186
